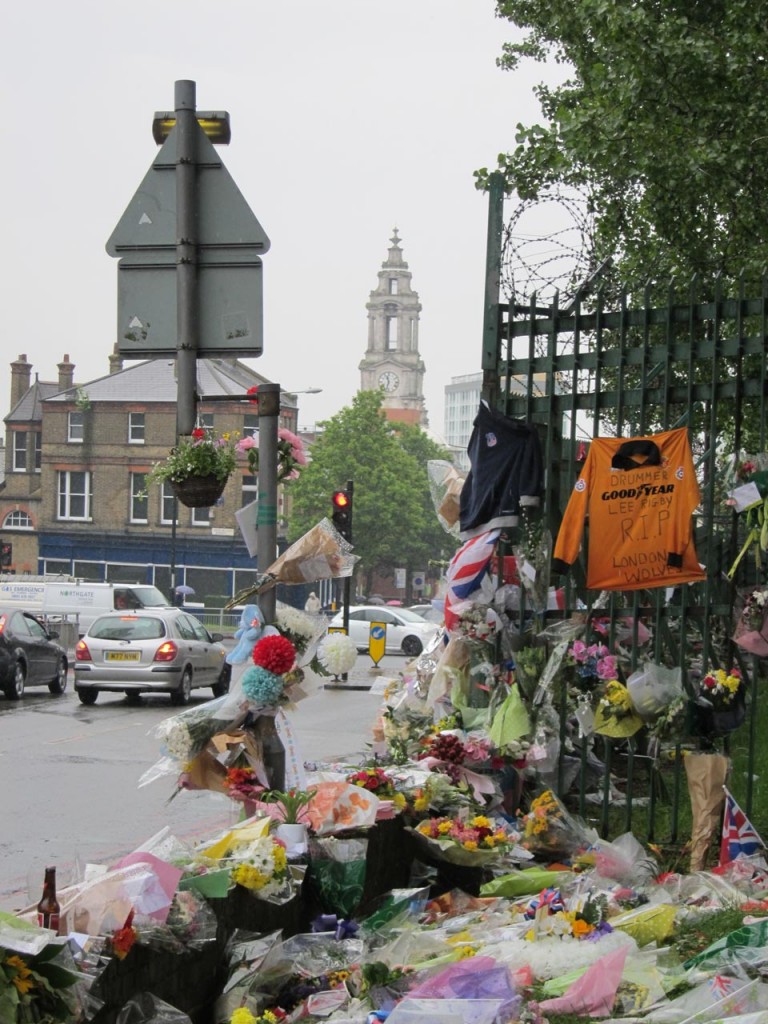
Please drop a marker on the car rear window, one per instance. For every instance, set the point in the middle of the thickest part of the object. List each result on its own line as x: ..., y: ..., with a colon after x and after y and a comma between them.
x: 128, y: 628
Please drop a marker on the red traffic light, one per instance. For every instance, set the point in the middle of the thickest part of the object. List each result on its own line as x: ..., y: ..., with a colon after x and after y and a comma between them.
x: 340, y: 499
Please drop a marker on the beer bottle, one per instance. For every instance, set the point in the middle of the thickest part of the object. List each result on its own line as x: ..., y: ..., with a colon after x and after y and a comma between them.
x: 48, y: 909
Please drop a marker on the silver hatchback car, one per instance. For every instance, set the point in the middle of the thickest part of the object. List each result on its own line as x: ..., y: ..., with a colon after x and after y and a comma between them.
x: 150, y: 650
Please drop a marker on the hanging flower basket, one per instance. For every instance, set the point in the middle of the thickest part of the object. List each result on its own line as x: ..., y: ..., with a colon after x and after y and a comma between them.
x: 199, y: 491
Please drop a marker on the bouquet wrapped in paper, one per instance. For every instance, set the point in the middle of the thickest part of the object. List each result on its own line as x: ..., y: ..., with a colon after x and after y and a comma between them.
x: 550, y: 832
x: 445, y: 486
x: 469, y: 841
x: 321, y: 554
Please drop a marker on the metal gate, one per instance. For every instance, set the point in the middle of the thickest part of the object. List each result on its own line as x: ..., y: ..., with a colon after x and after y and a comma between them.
x: 623, y: 368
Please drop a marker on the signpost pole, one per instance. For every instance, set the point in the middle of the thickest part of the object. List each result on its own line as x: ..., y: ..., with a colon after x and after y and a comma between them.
x: 186, y: 257
x: 266, y: 512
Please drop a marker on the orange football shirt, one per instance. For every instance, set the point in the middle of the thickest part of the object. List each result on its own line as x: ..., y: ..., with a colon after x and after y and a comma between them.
x: 639, y: 494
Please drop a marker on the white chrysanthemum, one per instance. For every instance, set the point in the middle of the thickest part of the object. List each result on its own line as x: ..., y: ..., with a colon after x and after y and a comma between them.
x: 178, y: 740
x: 337, y: 653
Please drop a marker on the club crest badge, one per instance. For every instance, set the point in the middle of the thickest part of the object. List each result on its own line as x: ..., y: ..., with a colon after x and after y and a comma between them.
x: 490, y: 439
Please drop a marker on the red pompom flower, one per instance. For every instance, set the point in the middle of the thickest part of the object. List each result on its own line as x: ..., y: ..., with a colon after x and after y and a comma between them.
x: 274, y: 653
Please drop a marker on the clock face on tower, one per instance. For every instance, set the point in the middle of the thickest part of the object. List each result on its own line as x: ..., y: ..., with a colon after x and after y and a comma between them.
x: 389, y: 381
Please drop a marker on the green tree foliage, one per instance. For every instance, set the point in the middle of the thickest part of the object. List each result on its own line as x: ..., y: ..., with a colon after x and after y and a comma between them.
x: 394, y: 522
x: 661, y: 121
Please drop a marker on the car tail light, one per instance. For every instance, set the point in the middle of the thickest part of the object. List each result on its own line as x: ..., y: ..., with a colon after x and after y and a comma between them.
x: 3, y: 620
x: 81, y: 651
x: 166, y: 651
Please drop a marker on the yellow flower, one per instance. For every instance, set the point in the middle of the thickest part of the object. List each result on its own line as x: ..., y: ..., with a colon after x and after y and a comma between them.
x: 399, y: 801
x: 580, y: 927
x: 22, y: 979
x: 469, y: 844
x: 280, y: 857
x: 249, y: 877
x: 242, y: 1016
x: 443, y: 827
x: 465, y: 952
x: 480, y: 821
x: 421, y: 803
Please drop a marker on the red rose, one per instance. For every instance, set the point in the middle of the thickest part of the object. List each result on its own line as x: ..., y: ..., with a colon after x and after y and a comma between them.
x: 274, y: 653
x: 198, y: 433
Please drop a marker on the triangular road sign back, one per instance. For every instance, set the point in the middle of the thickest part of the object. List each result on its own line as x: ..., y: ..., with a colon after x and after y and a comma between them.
x: 225, y: 221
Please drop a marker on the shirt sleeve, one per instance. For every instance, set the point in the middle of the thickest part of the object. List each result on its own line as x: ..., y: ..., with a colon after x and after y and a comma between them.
x: 572, y: 526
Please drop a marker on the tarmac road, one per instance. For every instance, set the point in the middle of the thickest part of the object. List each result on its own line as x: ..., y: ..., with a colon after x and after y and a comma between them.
x: 69, y: 775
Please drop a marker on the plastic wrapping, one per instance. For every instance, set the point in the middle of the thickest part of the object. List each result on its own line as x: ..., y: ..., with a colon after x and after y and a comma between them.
x: 337, y: 872
x: 654, y: 687
x: 445, y: 486
x: 145, y: 1008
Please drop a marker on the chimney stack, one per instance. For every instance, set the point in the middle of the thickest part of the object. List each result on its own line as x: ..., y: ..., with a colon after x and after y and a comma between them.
x: 66, y: 374
x: 20, y: 375
x: 115, y: 360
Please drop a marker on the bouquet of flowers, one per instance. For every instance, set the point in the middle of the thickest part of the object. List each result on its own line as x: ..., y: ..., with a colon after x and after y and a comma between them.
x: 262, y: 867
x: 187, y: 734
x: 43, y: 987
x: 615, y: 715
x: 263, y: 684
x: 447, y: 749
x: 755, y: 608
x: 720, y: 689
x: 435, y: 796
x: 242, y: 1015
x: 549, y: 830
x: 337, y: 653
x: 242, y: 784
x: 301, y: 629
x: 591, y: 664
x: 553, y: 920
x: 375, y: 780
x: 465, y: 840
x: 404, y: 727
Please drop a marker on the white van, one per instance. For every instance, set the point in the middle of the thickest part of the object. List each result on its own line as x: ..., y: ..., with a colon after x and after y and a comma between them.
x: 88, y: 601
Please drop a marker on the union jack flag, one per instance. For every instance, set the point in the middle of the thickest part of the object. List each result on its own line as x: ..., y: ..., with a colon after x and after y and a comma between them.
x: 466, y: 571
x: 739, y: 835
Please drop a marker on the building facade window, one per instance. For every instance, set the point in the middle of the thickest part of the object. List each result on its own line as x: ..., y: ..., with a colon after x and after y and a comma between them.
x: 75, y: 427
x: 250, y: 424
x: 136, y: 428
x: 38, y: 450
x: 390, y: 339
x: 393, y: 286
x: 139, y: 499
x: 201, y: 517
x: 205, y: 420
x: 18, y: 520
x: 75, y: 495
x: 167, y: 504
x: 250, y: 490
x: 19, y: 451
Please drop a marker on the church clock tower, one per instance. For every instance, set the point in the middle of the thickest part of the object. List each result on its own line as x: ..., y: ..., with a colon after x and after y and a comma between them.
x: 392, y: 361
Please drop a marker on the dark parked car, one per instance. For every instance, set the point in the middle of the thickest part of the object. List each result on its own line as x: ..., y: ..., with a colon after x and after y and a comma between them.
x: 29, y: 655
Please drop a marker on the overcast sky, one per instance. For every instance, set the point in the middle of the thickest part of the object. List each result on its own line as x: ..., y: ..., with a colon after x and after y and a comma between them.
x: 349, y: 117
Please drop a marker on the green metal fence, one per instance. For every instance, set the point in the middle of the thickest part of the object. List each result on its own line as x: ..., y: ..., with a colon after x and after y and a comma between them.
x: 623, y: 366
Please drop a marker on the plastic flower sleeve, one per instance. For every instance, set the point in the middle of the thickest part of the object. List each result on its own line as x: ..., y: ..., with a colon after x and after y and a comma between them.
x: 337, y: 872
x: 145, y: 1008
x: 445, y: 486
x: 653, y: 687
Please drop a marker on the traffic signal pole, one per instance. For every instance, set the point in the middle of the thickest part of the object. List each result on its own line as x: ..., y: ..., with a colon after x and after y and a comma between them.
x: 348, y: 579
x: 185, y: 102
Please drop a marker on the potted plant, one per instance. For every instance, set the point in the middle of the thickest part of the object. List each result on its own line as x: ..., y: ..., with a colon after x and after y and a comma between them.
x: 290, y: 805
x: 197, y: 468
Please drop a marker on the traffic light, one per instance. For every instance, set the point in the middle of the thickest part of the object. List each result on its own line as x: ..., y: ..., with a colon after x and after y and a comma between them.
x: 6, y: 555
x: 342, y: 513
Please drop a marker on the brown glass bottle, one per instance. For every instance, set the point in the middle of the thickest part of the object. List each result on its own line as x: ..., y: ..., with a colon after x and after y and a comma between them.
x: 48, y: 908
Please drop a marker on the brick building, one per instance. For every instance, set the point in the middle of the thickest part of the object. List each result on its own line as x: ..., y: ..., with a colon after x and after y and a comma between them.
x: 74, y: 499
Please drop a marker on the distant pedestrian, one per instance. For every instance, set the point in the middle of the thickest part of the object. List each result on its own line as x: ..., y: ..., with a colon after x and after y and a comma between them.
x: 312, y: 604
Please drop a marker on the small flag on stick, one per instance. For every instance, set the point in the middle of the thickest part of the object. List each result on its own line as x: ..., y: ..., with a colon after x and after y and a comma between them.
x: 739, y: 834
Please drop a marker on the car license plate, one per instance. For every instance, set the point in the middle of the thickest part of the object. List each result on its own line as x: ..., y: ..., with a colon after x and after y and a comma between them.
x: 122, y: 656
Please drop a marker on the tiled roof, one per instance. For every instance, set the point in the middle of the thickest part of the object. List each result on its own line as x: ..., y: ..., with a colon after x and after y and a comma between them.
x: 27, y: 409
x: 155, y: 381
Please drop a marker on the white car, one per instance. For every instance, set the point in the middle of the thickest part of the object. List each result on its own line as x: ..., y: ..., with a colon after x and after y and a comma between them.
x: 429, y: 612
x: 407, y: 632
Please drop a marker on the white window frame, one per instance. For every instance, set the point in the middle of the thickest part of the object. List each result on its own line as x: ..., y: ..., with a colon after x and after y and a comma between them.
x: 18, y: 520
x: 20, y: 451
x: 250, y: 490
x: 136, y: 428
x: 66, y: 495
x: 139, y: 506
x: 201, y: 517
x: 166, y: 505
x: 76, y: 427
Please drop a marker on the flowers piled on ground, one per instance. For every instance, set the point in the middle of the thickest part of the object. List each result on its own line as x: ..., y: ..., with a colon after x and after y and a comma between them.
x: 337, y: 653
x: 474, y: 833
x: 263, y: 684
x: 553, y: 920
x: 290, y: 454
x: 200, y: 454
x: 436, y: 796
x: 548, y: 829
x: 720, y: 688
x: 262, y: 867
x: 403, y: 728
x: 447, y: 749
